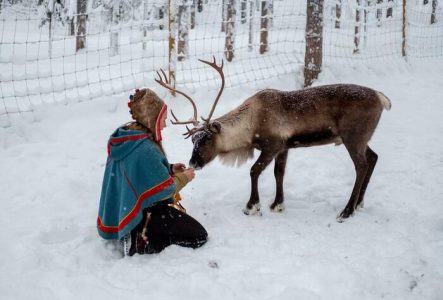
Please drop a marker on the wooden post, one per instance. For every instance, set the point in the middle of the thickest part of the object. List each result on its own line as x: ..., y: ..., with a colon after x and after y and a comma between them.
x: 264, y: 27
x: 314, y: 41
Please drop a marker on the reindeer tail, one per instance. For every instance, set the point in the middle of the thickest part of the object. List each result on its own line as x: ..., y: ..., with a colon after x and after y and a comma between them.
x: 384, y: 100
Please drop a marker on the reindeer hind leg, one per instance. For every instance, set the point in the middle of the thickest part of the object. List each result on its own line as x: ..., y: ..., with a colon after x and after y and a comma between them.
x: 359, y: 158
x: 372, y: 158
x: 279, y: 173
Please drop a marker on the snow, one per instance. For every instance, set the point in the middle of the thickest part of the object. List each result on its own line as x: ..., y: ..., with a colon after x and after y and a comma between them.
x: 52, y: 162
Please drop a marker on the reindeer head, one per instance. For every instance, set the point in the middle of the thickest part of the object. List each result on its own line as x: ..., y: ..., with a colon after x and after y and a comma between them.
x: 204, y: 137
x: 205, y: 145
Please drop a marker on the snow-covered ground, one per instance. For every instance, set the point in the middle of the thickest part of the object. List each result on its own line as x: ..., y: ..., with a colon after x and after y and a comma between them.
x: 52, y: 162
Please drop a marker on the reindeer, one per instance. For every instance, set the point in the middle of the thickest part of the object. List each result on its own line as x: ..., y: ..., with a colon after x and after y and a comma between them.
x: 274, y: 121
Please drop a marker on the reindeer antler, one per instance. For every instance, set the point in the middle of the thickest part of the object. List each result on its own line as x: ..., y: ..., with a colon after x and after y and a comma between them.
x: 219, y: 69
x: 163, y: 81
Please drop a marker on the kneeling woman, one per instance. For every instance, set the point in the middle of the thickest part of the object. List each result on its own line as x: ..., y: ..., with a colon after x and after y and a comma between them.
x: 139, y: 204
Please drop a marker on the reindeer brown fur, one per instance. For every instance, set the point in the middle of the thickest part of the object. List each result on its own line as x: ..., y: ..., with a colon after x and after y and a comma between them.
x: 274, y: 121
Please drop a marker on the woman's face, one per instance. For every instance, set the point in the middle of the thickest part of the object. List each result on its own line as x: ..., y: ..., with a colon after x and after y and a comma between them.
x: 163, y: 120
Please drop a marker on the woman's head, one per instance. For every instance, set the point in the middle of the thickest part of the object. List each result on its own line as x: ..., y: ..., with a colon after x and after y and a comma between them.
x: 149, y: 110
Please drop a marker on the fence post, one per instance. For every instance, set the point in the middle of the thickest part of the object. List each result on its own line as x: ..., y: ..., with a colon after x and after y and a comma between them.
x: 172, y: 57
x: 264, y: 26
x: 403, y: 31
x: 314, y: 41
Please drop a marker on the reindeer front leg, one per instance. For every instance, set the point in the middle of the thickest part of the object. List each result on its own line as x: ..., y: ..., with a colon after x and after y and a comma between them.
x: 253, y: 205
x: 279, y: 173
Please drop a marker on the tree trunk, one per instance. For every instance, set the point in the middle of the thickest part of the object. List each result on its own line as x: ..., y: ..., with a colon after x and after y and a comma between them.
x: 337, y: 13
x: 434, y: 8
x: 72, y: 26
x: 270, y: 13
x: 251, y: 25
x: 389, y: 10
x: 243, y: 8
x: 379, y: 13
x: 183, y: 31
x: 357, y: 28
x: 230, y: 30
x: 172, y: 54
x: 81, y: 25
x: 264, y: 27
x: 199, y: 5
x: 193, y: 14
x: 114, y: 35
x: 223, y: 23
x: 314, y: 41
x: 145, y: 28
x: 50, y: 14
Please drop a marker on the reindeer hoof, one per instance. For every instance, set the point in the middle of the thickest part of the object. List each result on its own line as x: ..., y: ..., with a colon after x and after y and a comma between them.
x: 254, y: 210
x: 346, y: 213
x: 277, y: 208
x: 361, y: 205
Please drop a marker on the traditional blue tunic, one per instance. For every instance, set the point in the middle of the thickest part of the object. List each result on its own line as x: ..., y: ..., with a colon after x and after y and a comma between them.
x: 136, y: 176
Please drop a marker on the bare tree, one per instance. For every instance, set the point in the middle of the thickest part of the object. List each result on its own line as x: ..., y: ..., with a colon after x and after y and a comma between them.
x: 434, y: 8
x: 193, y: 4
x: 264, y: 26
x: 183, y: 30
x: 379, y: 12
x: 230, y: 30
x: 243, y: 8
x: 251, y: 23
x: 199, y: 5
x: 389, y: 10
x: 81, y: 25
x: 337, y: 13
x: 357, y: 27
x: 314, y: 41
x: 224, y: 15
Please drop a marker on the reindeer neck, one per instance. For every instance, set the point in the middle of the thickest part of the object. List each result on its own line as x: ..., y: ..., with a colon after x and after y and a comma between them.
x: 236, y: 129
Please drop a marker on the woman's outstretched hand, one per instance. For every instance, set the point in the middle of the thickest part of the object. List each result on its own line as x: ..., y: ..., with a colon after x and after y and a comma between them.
x: 177, y: 168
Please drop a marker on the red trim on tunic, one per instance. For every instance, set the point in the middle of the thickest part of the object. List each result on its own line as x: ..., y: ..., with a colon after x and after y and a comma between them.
x: 130, y: 216
x: 124, y: 139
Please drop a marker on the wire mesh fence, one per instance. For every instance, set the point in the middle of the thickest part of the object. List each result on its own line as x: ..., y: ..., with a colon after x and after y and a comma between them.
x: 75, y: 50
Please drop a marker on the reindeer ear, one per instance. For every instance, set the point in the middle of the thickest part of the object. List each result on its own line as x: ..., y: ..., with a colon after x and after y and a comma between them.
x: 215, y: 127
